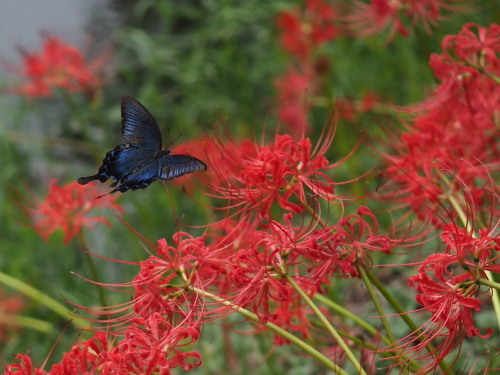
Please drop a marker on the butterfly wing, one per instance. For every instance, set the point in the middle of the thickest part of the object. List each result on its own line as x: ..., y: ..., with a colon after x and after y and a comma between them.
x: 139, y: 128
x: 172, y: 166
x: 139, y: 178
x: 119, y: 163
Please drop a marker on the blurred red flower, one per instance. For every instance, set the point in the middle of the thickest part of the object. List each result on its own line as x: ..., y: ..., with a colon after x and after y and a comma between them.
x: 10, y: 305
x: 378, y: 15
x: 293, y: 88
x: 59, y: 65
x: 68, y: 207
x: 305, y: 31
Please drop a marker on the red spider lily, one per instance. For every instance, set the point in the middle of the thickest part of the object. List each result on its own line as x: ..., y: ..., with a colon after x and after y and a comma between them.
x: 286, y: 172
x: 339, y: 250
x: 160, y: 285
x: 293, y: 88
x: 10, y: 305
x: 199, y: 264
x: 59, y: 65
x: 378, y: 15
x: 68, y: 208
x: 452, y: 303
x: 305, y: 31
x: 257, y: 270
x: 152, y: 346
x: 24, y: 367
x: 449, y: 296
x: 86, y: 357
x: 455, y: 123
x: 302, y: 35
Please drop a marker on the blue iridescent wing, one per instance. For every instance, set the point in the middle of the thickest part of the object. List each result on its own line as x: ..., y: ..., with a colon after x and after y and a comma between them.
x: 172, y: 166
x: 120, y: 163
x: 139, y: 178
x: 139, y: 128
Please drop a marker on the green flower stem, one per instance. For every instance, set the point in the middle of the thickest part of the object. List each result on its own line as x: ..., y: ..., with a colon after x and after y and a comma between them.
x: 41, y: 298
x: 404, y: 315
x: 348, y: 314
x: 328, y: 326
x: 489, y: 283
x: 82, y: 246
x: 25, y: 322
x: 377, y: 304
x: 363, y: 344
x: 385, y: 323
x: 280, y: 331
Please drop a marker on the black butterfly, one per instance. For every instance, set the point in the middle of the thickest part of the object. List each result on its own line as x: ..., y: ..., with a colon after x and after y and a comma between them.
x: 140, y: 161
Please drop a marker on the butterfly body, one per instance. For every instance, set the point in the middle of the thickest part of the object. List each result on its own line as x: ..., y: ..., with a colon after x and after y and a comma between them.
x: 141, y: 160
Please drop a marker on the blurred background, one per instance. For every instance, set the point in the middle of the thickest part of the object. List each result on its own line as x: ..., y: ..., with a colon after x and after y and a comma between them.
x: 191, y: 63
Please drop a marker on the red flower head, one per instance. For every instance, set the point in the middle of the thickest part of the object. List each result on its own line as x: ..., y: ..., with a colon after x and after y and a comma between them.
x: 305, y: 31
x: 68, y: 207
x: 373, y: 18
x: 10, y: 305
x: 293, y: 88
x: 286, y: 172
x: 24, y: 367
x: 152, y: 346
x: 455, y: 130
x: 85, y: 357
x: 450, y: 285
x: 58, y: 65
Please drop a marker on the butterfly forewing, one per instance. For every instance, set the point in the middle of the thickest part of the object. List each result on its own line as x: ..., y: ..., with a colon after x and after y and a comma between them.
x: 139, y: 128
x: 172, y: 166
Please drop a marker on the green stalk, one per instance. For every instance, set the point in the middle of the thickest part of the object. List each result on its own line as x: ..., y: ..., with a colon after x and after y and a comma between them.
x: 42, y: 299
x: 82, y: 246
x: 348, y: 314
x: 377, y: 304
x: 402, y: 313
x: 280, y: 331
x: 492, y: 284
x: 328, y: 326
x: 25, y: 322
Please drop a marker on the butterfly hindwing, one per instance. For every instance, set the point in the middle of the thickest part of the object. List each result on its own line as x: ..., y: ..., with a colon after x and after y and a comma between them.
x: 140, y: 178
x: 139, y: 128
x: 172, y: 166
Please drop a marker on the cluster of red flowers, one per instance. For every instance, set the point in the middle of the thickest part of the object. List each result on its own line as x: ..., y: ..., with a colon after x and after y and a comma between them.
x: 379, y: 15
x: 442, y: 170
x: 303, y: 33
x: 149, y: 347
x: 58, y: 66
x: 10, y: 305
x: 286, y: 171
x: 456, y: 130
x: 68, y: 208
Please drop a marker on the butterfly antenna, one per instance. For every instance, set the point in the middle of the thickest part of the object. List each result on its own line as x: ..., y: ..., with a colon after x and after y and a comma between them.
x: 175, y: 140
